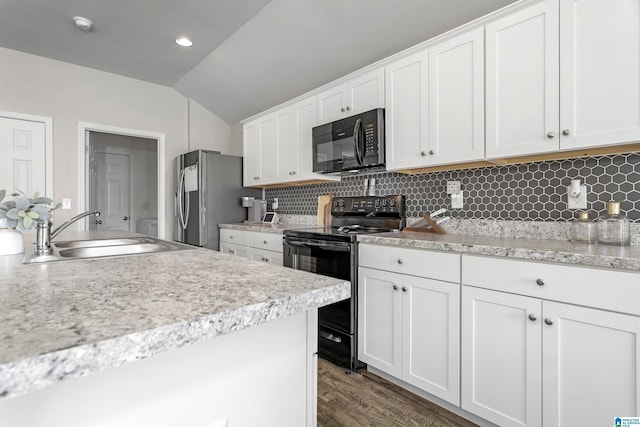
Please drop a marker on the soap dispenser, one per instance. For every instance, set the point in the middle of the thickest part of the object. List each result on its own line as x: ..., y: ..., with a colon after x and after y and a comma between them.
x: 613, y: 226
x: 583, y: 229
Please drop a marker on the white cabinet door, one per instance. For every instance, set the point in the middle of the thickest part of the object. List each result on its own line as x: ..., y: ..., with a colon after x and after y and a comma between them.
x: 380, y: 320
x: 332, y: 104
x: 286, y: 146
x: 234, y: 249
x: 591, y: 369
x: 365, y: 92
x: 501, y: 357
x: 358, y: 94
x: 522, y: 82
x: 456, y: 99
x: 431, y: 336
x: 406, y: 113
x: 599, y: 72
x: 259, y: 151
x: 268, y: 257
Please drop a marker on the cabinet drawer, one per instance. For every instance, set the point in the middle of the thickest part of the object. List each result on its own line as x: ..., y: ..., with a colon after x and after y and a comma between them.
x: 267, y: 241
x: 239, y: 237
x: 235, y: 250
x: 416, y: 262
x: 592, y: 287
x: 270, y: 257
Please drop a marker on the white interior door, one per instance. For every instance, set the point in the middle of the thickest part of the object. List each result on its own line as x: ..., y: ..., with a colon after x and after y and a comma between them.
x: 22, y: 164
x: 113, y: 187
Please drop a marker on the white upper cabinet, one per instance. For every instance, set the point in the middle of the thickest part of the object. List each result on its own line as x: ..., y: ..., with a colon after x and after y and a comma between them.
x: 522, y: 82
x: 358, y: 94
x: 599, y: 72
x: 456, y: 99
x: 406, y: 113
x: 259, y: 151
x: 435, y: 104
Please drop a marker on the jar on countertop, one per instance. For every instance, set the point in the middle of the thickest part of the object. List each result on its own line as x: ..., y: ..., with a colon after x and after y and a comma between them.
x: 613, y: 226
x: 583, y: 230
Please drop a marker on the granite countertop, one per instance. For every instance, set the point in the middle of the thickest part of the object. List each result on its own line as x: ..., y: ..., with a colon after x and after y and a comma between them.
x: 265, y: 228
x: 558, y: 251
x: 67, y: 319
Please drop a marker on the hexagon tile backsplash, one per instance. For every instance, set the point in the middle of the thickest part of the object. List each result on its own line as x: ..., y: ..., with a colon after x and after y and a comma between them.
x: 531, y: 192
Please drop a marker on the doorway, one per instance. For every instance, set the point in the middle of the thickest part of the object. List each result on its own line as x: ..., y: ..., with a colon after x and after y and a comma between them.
x: 146, y: 181
x: 123, y: 182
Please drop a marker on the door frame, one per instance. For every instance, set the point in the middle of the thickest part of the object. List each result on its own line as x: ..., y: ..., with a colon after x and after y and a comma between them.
x: 131, y: 155
x: 83, y: 170
x: 48, y: 144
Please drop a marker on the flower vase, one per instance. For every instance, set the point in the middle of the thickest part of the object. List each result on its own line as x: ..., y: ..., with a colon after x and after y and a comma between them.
x: 11, y: 241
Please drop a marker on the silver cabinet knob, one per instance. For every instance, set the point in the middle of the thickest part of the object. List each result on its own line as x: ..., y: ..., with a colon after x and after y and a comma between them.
x: 400, y: 261
x: 98, y: 222
x: 265, y: 259
x: 293, y: 172
x: 289, y: 172
x: 231, y: 236
x: 423, y: 153
x: 125, y: 218
x: 565, y: 132
x: 432, y: 152
x: 551, y: 135
x: 256, y: 177
x: 231, y: 251
x: 265, y: 242
x: 539, y: 282
x: 404, y: 289
x: 395, y: 287
x: 342, y: 109
x: 533, y: 317
x: 348, y: 108
x: 548, y: 321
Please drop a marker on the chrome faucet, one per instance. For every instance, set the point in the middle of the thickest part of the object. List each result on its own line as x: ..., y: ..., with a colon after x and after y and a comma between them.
x: 44, y: 235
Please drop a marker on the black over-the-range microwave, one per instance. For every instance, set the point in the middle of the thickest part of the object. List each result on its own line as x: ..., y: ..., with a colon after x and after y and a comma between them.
x: 350, y: 144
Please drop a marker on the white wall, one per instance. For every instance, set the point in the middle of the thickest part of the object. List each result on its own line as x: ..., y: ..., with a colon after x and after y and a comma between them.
x: 236, y: 138
x: 70, y: 94
x: 208, y: 132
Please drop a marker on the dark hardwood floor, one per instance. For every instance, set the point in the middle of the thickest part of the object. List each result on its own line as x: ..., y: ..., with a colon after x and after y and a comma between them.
x: 364, y: 399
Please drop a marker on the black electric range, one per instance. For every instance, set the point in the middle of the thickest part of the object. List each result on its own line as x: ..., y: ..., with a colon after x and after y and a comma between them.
x: 333, y: 251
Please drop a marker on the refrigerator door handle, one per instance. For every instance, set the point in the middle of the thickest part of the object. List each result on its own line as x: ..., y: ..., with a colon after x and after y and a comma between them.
x: 184, y: 217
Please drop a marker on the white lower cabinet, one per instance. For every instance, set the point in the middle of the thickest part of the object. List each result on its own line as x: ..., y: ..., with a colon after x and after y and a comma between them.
x: 533, y: 361
x: 254, y: 245
x: 409, y: 326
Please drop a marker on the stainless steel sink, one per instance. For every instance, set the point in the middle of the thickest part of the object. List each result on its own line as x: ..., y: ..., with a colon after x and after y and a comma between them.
x: 82, y: 249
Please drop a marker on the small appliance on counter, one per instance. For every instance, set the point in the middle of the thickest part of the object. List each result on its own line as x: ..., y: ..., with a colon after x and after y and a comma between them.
x: 256, y: 209
x: 208, y: 187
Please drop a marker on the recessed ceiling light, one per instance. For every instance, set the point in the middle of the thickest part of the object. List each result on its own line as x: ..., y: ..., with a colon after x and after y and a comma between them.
x: 184, y: 42
x: 83, y: 23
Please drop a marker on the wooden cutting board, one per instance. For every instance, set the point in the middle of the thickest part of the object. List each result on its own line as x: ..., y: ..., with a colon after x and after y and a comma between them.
x: 324, y: 209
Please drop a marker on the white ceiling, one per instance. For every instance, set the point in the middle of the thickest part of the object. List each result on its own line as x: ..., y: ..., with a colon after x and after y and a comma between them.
x: 249, y: 55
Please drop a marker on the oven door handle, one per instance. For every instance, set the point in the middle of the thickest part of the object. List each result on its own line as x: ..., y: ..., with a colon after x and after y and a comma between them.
x: 342, y: 247
x: 330, y: 337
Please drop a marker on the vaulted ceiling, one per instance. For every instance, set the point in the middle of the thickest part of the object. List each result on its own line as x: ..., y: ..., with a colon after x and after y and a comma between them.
x: 248, y: 55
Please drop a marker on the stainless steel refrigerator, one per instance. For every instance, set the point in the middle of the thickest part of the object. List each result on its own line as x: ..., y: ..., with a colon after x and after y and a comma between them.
x: 208, y: 193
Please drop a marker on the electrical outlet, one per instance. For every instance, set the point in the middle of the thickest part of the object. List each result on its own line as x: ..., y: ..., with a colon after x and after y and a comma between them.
x: 579, y: 202
x: 66, y: 204
x: 457, y: 200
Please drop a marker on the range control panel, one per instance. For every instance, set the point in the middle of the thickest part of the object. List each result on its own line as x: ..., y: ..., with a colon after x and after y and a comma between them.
x: 377, y: 204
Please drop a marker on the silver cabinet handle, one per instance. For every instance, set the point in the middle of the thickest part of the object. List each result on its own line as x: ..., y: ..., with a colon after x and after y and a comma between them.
x: 423, y: 153
x: 126, y: 218
x: 293, y: 172
x: 404, y: 289
x: 348, y: 108
x: 548, y: 321
x: 342, y: 109
x: 539, y: 282
x: 231, y: 236
x: 533, y: 317
x: 265, y: 259
x: 400, y: 261
x: 432, y: 152
x: 289, y: 172
x: 565, y: 132
x: 231, y: 251
x: 265, y: 242
x: 330, y: 337
x: 395, y: 287
x: 551, y: 135
x: 99, y: 222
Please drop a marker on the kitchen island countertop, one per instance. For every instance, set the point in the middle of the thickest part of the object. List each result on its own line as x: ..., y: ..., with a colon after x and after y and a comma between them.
x: 67, y: 319
x: 555, y: 251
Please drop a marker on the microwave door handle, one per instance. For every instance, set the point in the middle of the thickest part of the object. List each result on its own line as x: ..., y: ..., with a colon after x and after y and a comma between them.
x: 356, y: 141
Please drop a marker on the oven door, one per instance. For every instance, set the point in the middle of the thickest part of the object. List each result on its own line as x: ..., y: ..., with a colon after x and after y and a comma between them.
x: 334, y: 259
